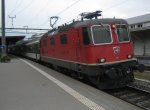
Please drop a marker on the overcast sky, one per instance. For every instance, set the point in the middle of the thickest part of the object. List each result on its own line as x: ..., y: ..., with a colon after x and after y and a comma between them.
x: 36, y: 13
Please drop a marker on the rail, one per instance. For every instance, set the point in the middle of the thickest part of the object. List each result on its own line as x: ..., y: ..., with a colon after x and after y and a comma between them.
x: 132, y: 95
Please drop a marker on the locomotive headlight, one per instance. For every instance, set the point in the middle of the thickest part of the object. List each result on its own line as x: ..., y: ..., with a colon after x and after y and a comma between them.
x: 129, y: 56
x: 102, y: 60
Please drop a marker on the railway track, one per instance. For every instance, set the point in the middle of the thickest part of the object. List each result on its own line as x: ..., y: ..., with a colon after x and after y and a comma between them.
x: 132, y: 95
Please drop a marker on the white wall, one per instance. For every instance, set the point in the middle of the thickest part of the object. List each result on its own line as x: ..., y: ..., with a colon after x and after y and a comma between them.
x: 147, y: 46
x: 146, y: 24
x: 138, y: 47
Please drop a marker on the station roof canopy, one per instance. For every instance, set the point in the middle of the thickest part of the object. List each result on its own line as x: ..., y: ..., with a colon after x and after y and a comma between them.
x: 12, y: 39
x: 139, y: 19
x: 139, y: 23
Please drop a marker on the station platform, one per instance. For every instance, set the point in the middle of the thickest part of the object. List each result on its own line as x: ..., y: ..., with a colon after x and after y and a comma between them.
x: 26, y: 85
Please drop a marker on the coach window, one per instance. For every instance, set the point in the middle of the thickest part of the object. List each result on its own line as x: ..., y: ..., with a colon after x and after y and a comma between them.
x: 52, y: 41
x: 63, y: 39
x: 86, y: 39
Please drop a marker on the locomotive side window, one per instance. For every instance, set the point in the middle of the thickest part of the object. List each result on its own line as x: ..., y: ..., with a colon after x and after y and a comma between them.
x: 63, y: 39
x: 52, y: 41
x: 101, y: 34
x: 86, y: 38
x: 122, y: 33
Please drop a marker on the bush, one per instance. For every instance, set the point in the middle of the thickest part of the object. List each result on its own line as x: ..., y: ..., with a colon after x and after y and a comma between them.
x: 4, y: 58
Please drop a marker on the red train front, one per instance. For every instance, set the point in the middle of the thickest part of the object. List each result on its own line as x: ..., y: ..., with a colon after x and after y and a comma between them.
x: 98, y: 49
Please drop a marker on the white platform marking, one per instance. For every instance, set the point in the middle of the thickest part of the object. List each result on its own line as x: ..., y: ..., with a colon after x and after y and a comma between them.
x: 87, y: 102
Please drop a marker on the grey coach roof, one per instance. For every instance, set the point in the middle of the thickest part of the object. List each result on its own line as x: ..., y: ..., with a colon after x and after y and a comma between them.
x: 139, y: 19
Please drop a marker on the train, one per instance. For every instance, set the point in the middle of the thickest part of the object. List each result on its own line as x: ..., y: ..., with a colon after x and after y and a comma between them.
x: 98, y: 49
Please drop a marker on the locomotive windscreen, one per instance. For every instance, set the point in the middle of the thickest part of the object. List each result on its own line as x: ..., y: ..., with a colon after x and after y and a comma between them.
x: 101, y: 34
x: 122, y: 32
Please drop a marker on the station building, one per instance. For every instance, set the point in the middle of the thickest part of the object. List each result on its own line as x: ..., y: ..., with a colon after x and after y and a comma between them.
x: 12, y: 39
x: 140, y: 33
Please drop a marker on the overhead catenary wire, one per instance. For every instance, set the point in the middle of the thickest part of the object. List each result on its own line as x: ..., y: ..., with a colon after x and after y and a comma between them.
x: 26, y: 7
x: 59, y: 13
x: 23, y: 32
x: 39, y: 12
x: 63, y: 10
x: 16, y: 7
x: 115, y: 5
x: 18, y: 32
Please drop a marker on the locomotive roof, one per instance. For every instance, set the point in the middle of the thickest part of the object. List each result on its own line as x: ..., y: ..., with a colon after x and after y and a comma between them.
x: 98, y: 21
x: 76, y: 24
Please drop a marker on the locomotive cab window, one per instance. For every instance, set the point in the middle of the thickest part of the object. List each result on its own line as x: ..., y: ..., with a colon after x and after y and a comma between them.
x: 86, y: 38
x: 101, y: 34
x: 52, y: 41
x: 63, y: 39
x: 122, y: 32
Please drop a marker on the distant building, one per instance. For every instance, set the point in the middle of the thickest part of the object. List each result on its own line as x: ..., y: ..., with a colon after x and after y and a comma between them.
x: 140, y: 33
x: 139, y: 23
x: 10, y: 40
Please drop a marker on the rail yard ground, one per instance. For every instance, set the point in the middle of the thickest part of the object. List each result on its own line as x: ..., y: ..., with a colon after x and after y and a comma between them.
x: 145, y: 75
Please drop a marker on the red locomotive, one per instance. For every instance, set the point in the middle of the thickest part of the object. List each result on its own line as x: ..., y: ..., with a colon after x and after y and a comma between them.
x: 100, y: 49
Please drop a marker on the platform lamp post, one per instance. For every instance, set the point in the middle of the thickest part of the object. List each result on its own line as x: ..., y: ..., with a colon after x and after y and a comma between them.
x: 3, y: 39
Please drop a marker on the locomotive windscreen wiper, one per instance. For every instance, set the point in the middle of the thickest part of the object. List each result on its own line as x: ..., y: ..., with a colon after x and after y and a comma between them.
x: 105, y: 27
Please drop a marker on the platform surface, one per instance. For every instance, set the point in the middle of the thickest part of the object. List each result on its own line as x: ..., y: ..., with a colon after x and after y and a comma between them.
x: 26, y: 85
